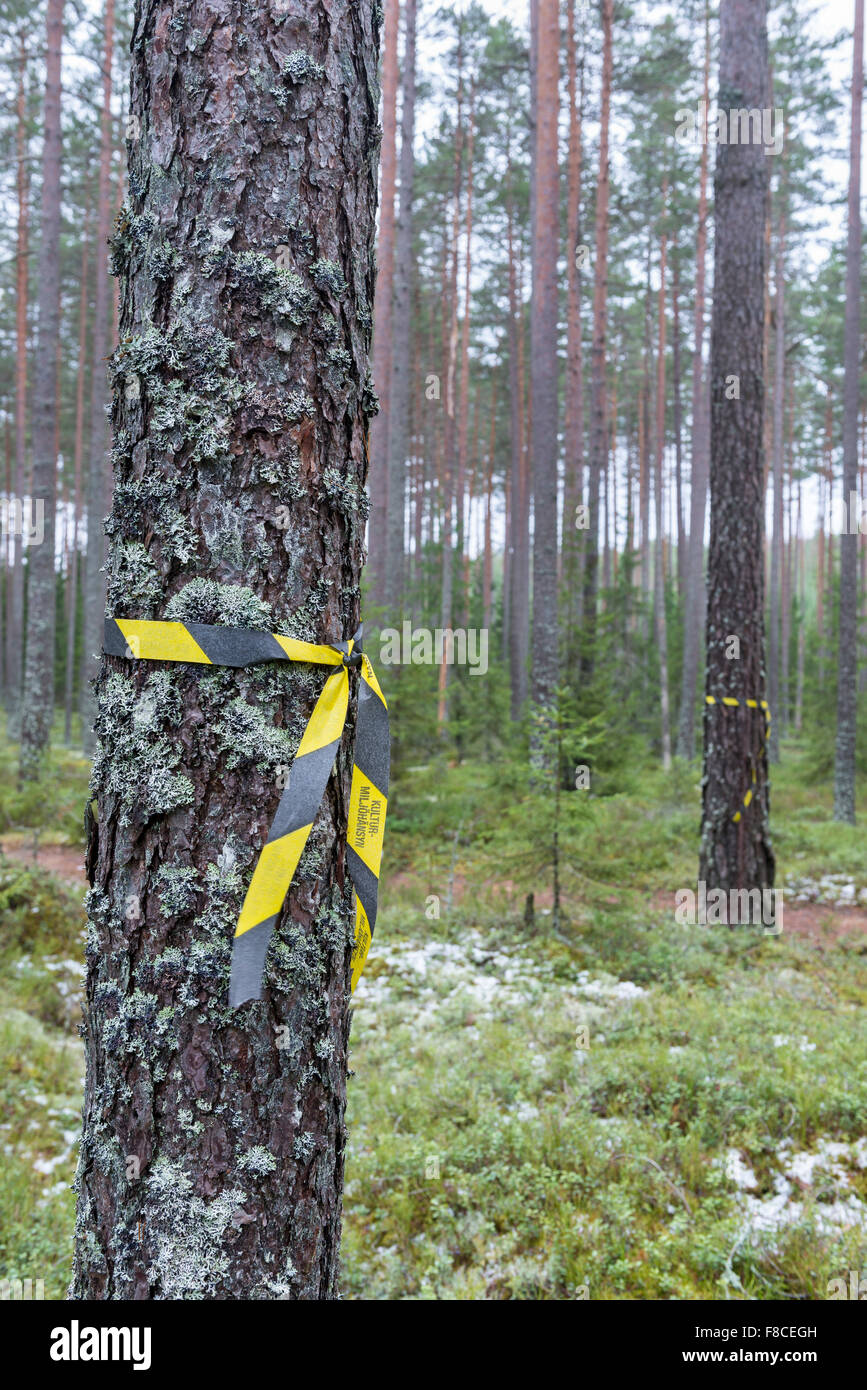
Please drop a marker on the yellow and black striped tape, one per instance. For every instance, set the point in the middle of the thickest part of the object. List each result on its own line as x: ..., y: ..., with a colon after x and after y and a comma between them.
x: 730, y: 702
x: 275, y: 868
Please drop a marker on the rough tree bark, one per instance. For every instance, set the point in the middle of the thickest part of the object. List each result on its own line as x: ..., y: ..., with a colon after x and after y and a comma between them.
x: 736, y: 853
x: 94, y: 579
x: 212, y: 1154
x: 37, y: 698
x: 847, y: 651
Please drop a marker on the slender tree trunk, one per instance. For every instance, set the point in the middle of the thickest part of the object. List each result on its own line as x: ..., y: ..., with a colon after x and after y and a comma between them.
x: 610, y: 486
x: 37, y: 709
x: 820, y: 582
x: 695, y: 589
x: 399, y: 401
x: 78, y: 448
x: 488, y: 563
x: 658, y: 570
x: 573, y: 428
x: 383, y: 351
x: 802, y: 625
x: 598, y: 434
x: 774, y: 699
x: 677, y: 423
x: 94, y: 579
x: 786, y: 585
x: 464, y: 387
x: 644, y: 408
x: 15, y: 592
x: 450, y: 434
x: 847, y: 649
x: 519, y: 502
x: 212, y: 1155
x: 735, y: 841
x: 543, y: 359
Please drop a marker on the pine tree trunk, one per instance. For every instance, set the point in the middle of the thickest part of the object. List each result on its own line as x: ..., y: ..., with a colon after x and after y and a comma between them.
x: 543, y: 359
x: 786, y: 584
x: 488, y: 561
x: 398, y: 410
x: 37, y: 708
x: 464, y: 384
x: 519, y: 502
x: 693, y: 617
x: 598, y: 434
x: 658, y: 569
x: 94, y: 578
x: 735, y: 842
x: 78, y: 449
x: 847, y: 648
x: 677, y: 423
x: 212, y: 1154
x: 382, y: 339
x: 802, y: 625
x: 450, y: 435
x: 573, y: 426
x: 774, y: 657
x: 15, y: 582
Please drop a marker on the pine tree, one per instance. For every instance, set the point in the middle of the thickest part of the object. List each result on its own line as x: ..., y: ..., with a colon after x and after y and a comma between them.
x: 37, y: 710
x: 735, y: 840
x: 847, y: 652
x: 212, y: 1154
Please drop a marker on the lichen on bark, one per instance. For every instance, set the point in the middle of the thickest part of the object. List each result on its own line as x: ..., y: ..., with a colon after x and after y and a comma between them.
x: 212, y: 1152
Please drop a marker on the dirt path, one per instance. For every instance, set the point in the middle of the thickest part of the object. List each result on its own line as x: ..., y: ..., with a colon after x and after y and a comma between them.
x: 66, y: 861
x: 822, y: 924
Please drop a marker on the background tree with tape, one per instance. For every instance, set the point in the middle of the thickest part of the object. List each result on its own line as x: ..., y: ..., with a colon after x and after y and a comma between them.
x: 735, y: 841
x: 212, y: 1155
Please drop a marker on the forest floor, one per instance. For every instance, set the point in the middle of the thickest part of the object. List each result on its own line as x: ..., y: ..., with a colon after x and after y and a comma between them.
x: 599, y: 1103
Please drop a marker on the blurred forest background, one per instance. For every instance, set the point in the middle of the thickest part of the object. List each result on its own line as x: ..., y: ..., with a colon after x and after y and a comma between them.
x: 560, y: 1092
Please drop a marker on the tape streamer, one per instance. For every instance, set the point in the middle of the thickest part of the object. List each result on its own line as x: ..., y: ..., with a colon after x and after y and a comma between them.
x: 730, y: 702
x: 205, y: 645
